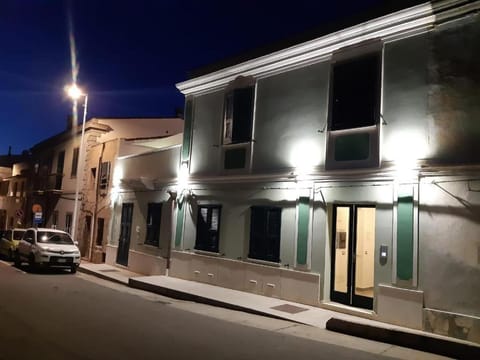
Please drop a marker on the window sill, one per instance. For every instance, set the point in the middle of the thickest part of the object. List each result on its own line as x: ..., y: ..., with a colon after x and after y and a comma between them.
x: 237, y: 144
x: 149, y: 245
x: 263, y: 262
x: 207, y: 253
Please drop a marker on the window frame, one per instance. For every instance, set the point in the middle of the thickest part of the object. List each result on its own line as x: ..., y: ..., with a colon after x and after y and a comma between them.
x: 104, y: 176
x: 362, y: 141
x: 75, y: 159
x: 204, y: 237
x: 262, y: 251
x: 373, y: 55
x: 232, y: 112
x: 153, y: 228
x: 68, y: 222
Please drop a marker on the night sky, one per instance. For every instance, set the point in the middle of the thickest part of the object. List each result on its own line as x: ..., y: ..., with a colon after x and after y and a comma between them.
x: 131, y: 53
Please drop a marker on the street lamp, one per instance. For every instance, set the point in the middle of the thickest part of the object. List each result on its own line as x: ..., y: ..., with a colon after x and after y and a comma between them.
x: 75, y: 93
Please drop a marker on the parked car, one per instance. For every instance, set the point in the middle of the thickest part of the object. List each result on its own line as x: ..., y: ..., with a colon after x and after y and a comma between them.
x: 48, y: 248
x: 9, y: 240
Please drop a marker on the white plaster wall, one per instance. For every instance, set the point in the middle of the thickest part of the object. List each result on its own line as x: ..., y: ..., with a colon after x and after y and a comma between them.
x: 271, y: 281
x: 291, y: 110
x: 405, y: 100
x: 160, y: 165
x: 449, y: 252
x: 235, y: 219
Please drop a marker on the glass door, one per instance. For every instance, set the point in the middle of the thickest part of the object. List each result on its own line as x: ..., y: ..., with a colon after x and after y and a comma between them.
x: 353, y: 246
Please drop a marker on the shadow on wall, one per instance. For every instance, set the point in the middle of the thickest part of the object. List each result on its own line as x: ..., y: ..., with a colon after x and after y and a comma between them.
x: 454, y: 79
x: 465, y: 209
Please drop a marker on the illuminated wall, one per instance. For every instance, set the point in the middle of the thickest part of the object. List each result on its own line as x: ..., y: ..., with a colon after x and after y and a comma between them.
x: 430, y: 102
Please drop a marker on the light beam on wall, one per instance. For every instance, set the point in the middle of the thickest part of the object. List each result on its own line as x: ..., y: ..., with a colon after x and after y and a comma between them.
x: 182, y: 177
x: 303, y: 158
x: 116, y: 181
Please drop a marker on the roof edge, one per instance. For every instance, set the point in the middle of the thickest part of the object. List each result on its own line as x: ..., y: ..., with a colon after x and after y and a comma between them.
x: 405, y: 22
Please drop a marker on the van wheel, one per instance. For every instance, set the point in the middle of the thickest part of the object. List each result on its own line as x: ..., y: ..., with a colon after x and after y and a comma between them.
x: 73, y: 269
x: 17, y: 260
x: 10, y: 254
x: 31, y: 262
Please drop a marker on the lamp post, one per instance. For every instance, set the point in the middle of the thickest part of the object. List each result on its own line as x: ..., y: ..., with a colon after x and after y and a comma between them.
x: 75, y: 93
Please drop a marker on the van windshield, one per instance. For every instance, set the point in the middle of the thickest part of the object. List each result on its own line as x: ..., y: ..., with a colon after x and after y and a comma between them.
x: 17, y: 234
x: 51, y: 237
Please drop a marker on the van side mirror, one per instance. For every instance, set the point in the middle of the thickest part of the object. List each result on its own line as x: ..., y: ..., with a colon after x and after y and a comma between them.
x: 75, y: 243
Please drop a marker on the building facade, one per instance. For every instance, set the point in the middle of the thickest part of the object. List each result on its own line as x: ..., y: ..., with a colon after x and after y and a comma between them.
x: 343, y: 172
x: 40, y: 190
x: 127, y: 137
x: 143, y: 198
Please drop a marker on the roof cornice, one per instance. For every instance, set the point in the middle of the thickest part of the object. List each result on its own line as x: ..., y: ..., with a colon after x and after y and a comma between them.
x: 402, y: 23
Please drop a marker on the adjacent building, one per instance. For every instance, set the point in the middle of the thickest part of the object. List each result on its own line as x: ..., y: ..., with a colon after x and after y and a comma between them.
x: 127, y: 137
x: 143, y: 201
x: 40, y: 189
x: 12, y: 190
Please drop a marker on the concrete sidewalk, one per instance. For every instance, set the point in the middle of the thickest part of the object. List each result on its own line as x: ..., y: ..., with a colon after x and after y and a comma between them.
x: 287, y: 310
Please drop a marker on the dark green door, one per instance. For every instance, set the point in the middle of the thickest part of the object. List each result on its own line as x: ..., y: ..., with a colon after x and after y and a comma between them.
x: 125, y: 231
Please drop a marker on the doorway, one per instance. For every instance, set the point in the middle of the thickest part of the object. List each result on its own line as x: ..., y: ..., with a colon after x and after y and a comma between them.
x: 353, y: 249
x: 125, y: 231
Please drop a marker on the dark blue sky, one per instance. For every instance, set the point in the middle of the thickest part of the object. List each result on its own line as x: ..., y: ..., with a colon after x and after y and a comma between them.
x: 131, y: 53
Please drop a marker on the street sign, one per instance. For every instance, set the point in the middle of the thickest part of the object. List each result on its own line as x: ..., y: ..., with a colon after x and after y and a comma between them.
x: 37, y: 208
x: 38, y: 218
x: 19, y: 213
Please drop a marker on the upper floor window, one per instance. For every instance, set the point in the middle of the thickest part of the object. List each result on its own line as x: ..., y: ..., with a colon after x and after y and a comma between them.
x: 104, y: 175
x: 59, y: 174
x: 75, y: 162
x: 238, y: 115
x: 208, y: 225
x: 353, y: 136
x: 356, y: 92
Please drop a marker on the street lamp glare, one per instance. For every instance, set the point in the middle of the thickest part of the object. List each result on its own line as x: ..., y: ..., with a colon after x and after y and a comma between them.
x: 74, y: 92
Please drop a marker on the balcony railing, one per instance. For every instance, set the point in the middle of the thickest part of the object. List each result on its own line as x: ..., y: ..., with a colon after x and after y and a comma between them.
x: 51, y: 182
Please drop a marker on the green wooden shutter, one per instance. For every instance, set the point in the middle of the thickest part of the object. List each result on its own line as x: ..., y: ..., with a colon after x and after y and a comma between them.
x: 179, y: 226
x: 352, y: 147
x: 405, y: 237
x: 187, y: 130
x: 302, y: 228
x: 235, y: 159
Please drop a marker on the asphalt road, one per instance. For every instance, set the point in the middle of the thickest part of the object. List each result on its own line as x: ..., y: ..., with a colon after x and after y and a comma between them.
x: 56, y: 315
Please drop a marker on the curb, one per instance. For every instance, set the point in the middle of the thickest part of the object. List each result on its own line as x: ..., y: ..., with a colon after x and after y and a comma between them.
x: 429, y: 344
x: 101, y: 276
